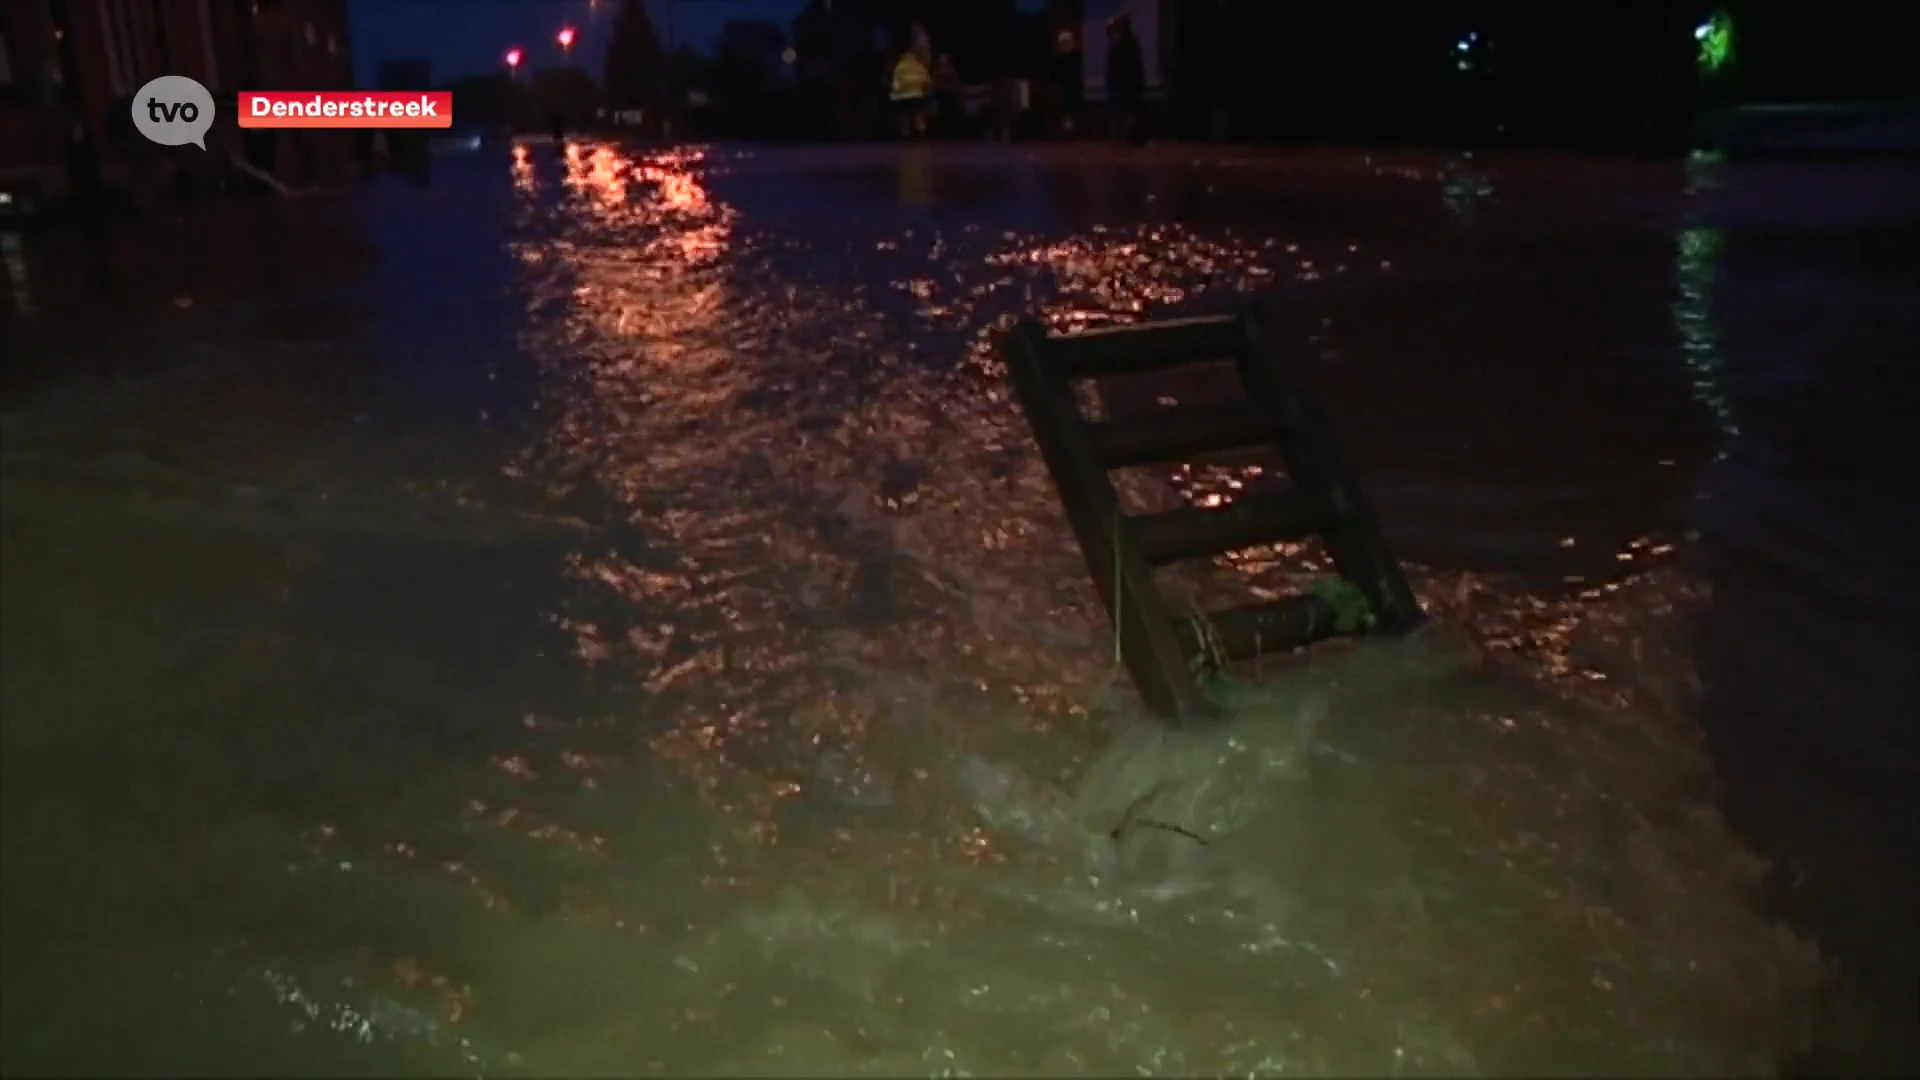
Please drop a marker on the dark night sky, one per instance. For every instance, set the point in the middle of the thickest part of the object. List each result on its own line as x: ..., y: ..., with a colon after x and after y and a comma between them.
x: 469, y: 37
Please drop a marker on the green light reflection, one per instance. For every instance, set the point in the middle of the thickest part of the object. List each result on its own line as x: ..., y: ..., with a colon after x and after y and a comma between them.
x: 1696, y: 267
x: 1715, y: 38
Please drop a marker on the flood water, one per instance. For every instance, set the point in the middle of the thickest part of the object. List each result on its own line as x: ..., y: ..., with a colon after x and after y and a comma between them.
x: 602, y: 613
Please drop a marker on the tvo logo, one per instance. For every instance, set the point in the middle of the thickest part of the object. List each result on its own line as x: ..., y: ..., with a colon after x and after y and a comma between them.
x: 167, y: 112
x: 174, y: 110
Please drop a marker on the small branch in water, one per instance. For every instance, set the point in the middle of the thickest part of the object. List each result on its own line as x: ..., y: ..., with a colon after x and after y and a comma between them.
x: 1131, y: 819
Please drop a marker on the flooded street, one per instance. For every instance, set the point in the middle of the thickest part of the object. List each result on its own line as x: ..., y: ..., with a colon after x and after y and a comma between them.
x: 603, y: 614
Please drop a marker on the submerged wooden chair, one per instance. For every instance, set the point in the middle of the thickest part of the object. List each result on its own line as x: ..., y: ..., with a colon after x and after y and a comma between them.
x: 1163, y: 653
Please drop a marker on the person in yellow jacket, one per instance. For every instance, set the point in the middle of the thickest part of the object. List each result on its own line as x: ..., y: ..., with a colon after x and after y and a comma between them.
x: 912, y: 93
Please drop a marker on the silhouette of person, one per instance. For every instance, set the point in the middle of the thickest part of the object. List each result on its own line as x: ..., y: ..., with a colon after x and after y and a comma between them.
x: 1126, y: 79
x: 1068, y: 76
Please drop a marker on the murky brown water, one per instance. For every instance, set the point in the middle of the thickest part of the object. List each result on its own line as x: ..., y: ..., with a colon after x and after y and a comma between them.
x: 609, y: 619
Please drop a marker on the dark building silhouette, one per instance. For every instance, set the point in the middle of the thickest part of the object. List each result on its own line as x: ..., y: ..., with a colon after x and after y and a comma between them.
x: 407, y: 151
x: 71, y: 66
x: 572, y: 93
x: 404, y: 73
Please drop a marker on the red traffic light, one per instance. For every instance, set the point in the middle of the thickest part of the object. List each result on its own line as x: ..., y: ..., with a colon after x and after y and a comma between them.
x: 513, y: 57
x: 566, y: 37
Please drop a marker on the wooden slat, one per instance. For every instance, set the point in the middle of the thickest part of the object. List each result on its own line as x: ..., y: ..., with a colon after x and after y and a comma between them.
x: 1314, y: 460
x: 1122, y: 350
x: 1194, y: 533
x: 1148, y: 643
x: 1184, y: 434
x: 1264, y: 629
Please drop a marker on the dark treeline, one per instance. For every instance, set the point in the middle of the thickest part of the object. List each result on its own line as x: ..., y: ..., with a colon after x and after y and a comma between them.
x: 1584, y: 73
x: 1440, y: 72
